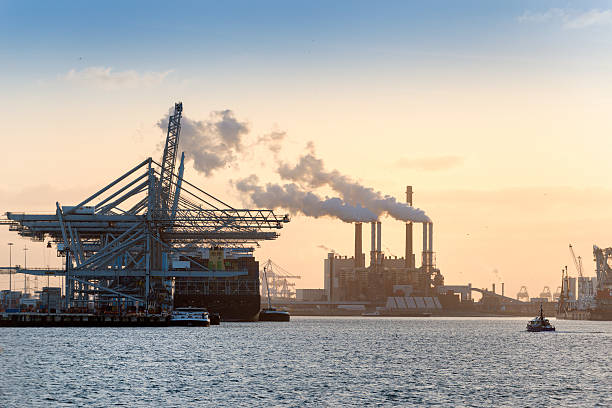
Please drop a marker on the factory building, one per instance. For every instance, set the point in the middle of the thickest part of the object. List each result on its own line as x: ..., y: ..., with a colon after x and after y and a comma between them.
x: 349, y: 279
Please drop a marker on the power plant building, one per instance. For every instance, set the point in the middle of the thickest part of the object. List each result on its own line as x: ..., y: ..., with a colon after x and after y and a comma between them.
x: 349, y: 279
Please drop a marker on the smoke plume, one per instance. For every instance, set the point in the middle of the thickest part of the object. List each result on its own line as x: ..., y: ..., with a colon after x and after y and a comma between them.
x: 311, y: 171
x: 333, y: 251
x: 297, y: 201
x: 213, y: 143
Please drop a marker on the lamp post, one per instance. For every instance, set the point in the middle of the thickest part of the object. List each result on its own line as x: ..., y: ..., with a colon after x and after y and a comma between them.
x: 25, y: 266
x: 10, y: 295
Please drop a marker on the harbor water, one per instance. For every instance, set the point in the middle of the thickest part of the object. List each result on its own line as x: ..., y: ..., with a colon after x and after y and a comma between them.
x: 311, y: 361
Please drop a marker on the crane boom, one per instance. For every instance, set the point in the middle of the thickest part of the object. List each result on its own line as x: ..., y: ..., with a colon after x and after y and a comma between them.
x: 169, y: 156
x: 577, y: 262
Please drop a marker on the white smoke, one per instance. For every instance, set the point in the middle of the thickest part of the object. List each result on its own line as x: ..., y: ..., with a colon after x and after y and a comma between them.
x: 297, y: 201
x: 311, y: 171
x: 213, y: 143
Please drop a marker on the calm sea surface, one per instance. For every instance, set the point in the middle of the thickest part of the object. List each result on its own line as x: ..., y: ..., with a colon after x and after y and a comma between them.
x: 311, y: 362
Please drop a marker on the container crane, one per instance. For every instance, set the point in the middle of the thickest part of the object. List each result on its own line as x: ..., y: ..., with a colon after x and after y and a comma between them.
x: 118, y: 243
x: 279, y: 285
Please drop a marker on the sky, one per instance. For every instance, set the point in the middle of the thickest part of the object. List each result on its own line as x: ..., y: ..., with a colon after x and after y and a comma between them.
x: 497, y: 113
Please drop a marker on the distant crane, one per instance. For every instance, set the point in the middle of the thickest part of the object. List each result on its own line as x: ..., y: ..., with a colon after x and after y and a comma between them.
x: 557, y: 294
x: 546, y: 293
x: 577, y: 261
x: 276, y: 281
x: 522, y: 295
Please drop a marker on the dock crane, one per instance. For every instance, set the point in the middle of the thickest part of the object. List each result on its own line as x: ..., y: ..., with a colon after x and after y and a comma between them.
x: 577, y: 261
x: 279, y: 285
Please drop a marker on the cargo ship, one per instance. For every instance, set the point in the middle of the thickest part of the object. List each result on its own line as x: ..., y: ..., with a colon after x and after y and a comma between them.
x: 233, y: 295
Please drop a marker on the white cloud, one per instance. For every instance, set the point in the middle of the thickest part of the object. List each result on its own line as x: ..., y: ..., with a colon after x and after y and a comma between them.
x: 590, y: 18
x: 571, y: 19
x: 106, y: 77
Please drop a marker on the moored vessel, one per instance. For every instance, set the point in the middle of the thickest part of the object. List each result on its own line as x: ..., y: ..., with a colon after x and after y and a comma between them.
x: 189, y: 316
x: 270, y: 314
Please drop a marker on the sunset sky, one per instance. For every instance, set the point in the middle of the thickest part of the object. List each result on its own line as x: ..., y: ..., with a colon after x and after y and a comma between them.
x: 497, y: 113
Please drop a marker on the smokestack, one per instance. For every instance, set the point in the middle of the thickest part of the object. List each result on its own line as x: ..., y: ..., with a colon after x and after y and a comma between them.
x: 502, y: 288
x: 424, y: 261
x: 493, y: 288
x: 430, y: 246
x: 409, y: 252
x: 379, y: 237
x: 358, y: 249
x: 373, y: 246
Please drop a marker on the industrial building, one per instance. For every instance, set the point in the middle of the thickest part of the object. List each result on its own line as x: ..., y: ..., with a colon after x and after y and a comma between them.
x: 350, y: 279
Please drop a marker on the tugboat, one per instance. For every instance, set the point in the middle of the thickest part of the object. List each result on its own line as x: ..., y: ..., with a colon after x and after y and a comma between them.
x: 539, y: 323
x: 189, y: 316
x: 270, y: 314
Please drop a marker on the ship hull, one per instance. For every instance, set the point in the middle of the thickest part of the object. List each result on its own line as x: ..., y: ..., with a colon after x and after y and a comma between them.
x: 231, y: 308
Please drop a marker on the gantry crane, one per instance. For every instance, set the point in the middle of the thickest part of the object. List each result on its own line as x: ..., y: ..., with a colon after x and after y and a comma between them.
x: 118, y: 243
x: 276, y: 282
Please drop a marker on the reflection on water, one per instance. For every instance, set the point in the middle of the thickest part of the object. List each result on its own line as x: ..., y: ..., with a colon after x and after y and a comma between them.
x: 311, y: 362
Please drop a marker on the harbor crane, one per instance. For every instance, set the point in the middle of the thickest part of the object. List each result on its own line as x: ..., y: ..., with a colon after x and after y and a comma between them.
x: 277, y: 281
x: 577, y: 261
x: 120, y: 243
x: 522, y: 295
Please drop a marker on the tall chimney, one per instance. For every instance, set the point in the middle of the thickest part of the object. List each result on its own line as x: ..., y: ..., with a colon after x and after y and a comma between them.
x: 430, y: 246
x: 409, y: 251
x: 358, y: 249
x: 373, y: 246
x: 493, y: 288
x: 424, y: 261
x: 378, y: 238
x: 502, y: 288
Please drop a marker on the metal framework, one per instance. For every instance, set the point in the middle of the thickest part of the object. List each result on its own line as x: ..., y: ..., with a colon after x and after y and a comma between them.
x: 119, y: 242
x: 603, y: 258
x: 276, y: 282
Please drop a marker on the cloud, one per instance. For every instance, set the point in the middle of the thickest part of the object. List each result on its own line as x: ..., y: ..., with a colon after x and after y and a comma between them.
x: 108, y: 78
x: 570, y: 19
x: 430, y: 163
x: 273, y: 140
x: 213, y: 143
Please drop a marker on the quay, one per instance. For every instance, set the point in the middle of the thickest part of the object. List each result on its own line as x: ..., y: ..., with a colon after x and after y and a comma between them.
x: 81, y: 320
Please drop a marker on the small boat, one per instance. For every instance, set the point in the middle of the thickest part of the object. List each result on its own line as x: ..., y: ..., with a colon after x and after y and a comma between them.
x: 189, y: 316
x: 215, y: 319
x: 540, y: 323
x: 270, y: 314
x: 375, y: 313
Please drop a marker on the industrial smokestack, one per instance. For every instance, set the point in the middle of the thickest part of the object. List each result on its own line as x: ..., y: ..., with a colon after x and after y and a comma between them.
x: 358, y: 249
x: 502, y: 288
x: 373, y: 246
x: 424, y: 261
x: 493, y: 288
x: 378, y: 237
x: 430, y: 246
x: 409, y: 251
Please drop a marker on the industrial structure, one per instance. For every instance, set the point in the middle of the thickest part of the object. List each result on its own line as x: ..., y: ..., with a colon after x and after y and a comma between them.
x: 150, y: 240
x: 349, y: 279
x: 277, y: 282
